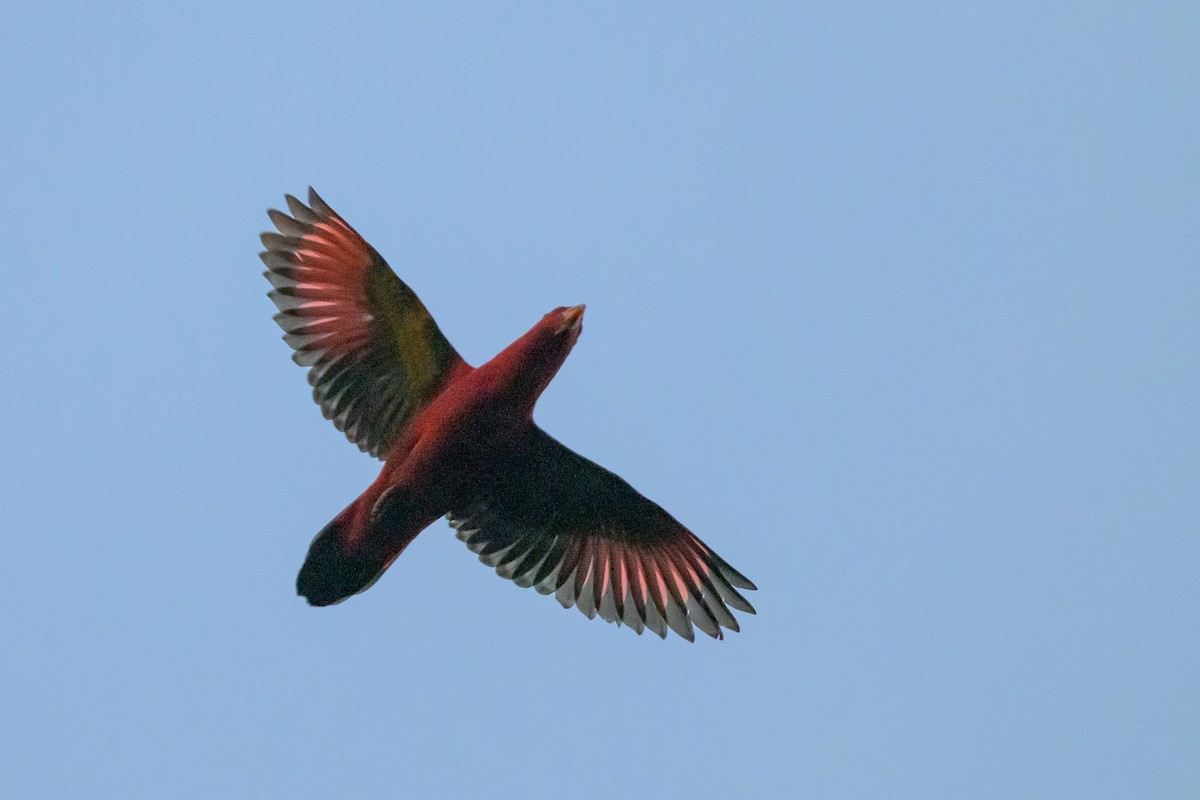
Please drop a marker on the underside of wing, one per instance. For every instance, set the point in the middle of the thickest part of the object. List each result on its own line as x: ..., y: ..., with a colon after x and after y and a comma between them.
x: 553, y: 520
x: 374, y: 354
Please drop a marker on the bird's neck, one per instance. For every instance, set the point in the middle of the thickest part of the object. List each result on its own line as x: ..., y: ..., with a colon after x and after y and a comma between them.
x: 519, y: 374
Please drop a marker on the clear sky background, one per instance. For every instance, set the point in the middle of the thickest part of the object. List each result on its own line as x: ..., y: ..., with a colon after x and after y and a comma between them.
x: 896, y: 305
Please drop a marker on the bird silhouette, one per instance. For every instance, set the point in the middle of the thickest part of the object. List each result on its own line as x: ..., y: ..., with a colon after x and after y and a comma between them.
x: 460, y: 442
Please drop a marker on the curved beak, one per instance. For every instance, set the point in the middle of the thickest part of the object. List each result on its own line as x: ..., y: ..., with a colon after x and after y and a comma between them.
x: 572, y: 318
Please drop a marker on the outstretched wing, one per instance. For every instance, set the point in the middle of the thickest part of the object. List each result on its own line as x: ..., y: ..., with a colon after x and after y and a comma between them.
x: 551, y: 519
x: 374, y: 354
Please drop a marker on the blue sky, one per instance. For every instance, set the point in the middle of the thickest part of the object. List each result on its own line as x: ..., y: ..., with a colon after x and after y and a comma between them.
x: 895, y: 305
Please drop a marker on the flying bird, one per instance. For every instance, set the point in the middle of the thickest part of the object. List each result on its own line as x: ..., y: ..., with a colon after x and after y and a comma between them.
x: 460, y: 441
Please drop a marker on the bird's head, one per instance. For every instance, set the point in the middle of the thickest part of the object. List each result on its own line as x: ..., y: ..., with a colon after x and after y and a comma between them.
x: 529, y: 363
x: 549, y: 342
x: 556, y: 333
x: 566, y: 322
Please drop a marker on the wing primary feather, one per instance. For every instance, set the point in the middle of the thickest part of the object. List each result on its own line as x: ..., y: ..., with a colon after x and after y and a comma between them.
x: 630, y: 613
x: 319, y: 205
x: 718, y: 607
x: 284, y: 302
x: 570, y: 559
x: 678, y: 620
x: 495, y: 552
x: 734, y: 577
x: 729, y: 595
x: 703, y: 614
x: 546, y: 585
x: 698, y: 611
x: 637, y: 583
x: 565, y: 593
x: 654, y: 584
x: 509, y: 568
x: 600, y: 569
x: 655, y: 621
x: 701, y: 617
x: 553, y: 559
x: 277, y: 262
x: 286, y: 225
x: 498, y: 539
x: 524, y: 573
x: 278, y: 243
x: 583, y: 599
x: 607, y: 608
x: 301, y: 212
x: 619, y: 584
x: 586, y: 567
x: 307, y: 358
x: 711, y: 597
x: 676, y: 606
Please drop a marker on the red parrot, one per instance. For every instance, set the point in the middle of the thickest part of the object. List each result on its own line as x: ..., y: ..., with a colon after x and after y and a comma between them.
x: 459, y: 441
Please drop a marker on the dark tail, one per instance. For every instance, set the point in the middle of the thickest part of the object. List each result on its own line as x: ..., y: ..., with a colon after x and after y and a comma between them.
x: 358, y: 545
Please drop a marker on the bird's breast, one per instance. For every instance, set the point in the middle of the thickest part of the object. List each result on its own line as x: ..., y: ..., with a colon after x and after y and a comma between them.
x: 454, y: 441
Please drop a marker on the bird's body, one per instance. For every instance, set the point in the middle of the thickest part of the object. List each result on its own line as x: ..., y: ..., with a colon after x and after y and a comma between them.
x: 460, y: 441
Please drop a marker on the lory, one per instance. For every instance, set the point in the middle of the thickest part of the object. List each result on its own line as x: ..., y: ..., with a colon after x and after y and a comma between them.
x: 460, y: 441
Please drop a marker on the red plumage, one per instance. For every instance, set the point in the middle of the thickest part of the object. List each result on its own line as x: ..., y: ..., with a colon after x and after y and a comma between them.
x: 460, y: 441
